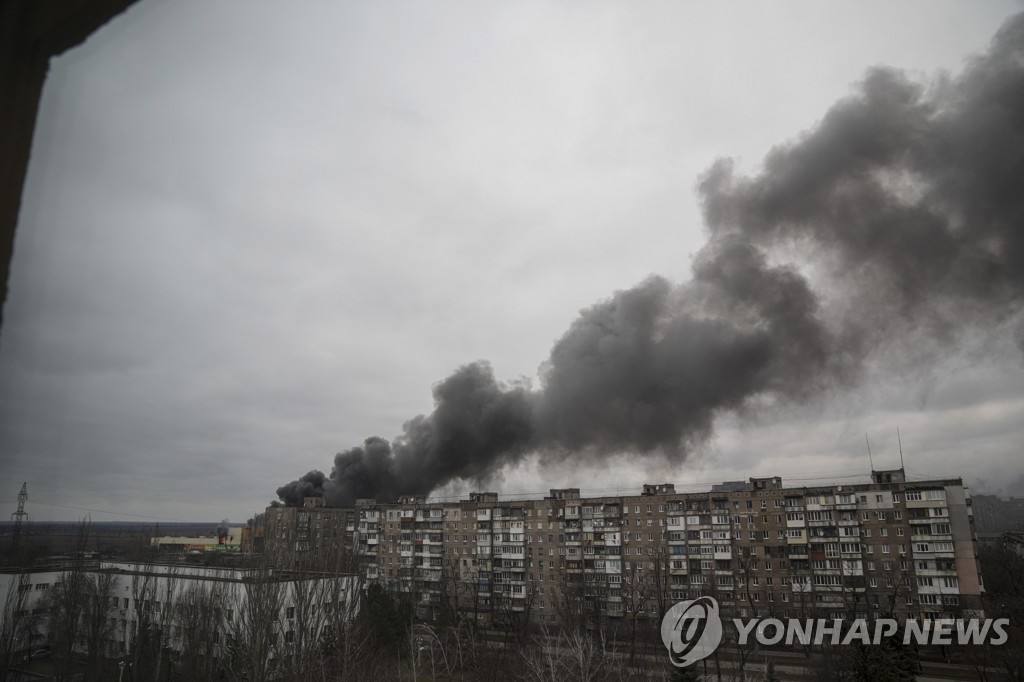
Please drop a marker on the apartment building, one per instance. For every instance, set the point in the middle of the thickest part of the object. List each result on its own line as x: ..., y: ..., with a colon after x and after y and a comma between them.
x: 888, y: 547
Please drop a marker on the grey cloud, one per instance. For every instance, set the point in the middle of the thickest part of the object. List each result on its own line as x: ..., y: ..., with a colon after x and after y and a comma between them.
x: 908, y: 193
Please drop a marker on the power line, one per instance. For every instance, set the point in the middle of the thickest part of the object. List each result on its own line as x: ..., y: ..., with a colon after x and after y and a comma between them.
x: 105, y: 511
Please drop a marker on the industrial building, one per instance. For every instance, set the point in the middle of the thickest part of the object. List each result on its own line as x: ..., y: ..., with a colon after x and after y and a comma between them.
x: 227, y: 539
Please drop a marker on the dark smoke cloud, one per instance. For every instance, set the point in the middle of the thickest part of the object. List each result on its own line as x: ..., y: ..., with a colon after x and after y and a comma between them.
x: 906, y: 196
x: 478, y: 425
x: 914, y: 196
x: 310, y: 485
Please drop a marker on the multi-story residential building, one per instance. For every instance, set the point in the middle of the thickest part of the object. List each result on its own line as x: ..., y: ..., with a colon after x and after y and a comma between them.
x: 312, y: 532
x: 888, y: 547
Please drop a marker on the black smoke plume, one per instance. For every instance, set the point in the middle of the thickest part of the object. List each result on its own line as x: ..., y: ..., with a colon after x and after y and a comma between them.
x: 310, y: 485
x: 908, y: 198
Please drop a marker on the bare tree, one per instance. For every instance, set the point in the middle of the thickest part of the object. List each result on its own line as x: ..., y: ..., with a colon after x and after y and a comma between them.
x: 97, y: 625
x: 254, y: 645
x: 145, y: 639
x: 347, y: 644
x: 310, y: 591
x: 17, y: 625
x: 199, y: 623
x: 66, y: 604
x: 543, y: 661
x: 638, y: 590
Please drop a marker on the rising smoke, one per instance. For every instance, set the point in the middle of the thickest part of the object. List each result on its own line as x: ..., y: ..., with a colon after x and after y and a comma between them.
x: 907, y: 197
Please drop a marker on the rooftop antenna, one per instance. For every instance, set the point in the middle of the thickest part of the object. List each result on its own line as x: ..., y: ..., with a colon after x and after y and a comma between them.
x: 898, y: 440
x: 870, y: 459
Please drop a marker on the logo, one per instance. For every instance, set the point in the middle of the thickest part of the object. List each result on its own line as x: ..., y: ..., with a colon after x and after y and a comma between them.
x: 691, y: 630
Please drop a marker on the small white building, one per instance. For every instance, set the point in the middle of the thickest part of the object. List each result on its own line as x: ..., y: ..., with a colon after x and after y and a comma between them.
x: 189, y: 607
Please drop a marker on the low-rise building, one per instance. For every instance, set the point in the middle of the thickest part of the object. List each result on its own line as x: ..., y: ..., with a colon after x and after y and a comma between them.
x: 183, y: 606
x: 227, y: 539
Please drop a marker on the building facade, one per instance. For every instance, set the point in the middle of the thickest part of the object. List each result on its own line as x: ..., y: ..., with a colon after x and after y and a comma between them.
x: 227, y: 539
x: 889, y: 547
x: 191, y: 607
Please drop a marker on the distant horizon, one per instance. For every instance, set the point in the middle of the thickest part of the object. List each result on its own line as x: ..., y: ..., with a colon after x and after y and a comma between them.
x: 622, y: 490
x: 803, y: 481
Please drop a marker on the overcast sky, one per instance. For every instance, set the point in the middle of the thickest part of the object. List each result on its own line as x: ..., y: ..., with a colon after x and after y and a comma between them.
x: 252, y: 236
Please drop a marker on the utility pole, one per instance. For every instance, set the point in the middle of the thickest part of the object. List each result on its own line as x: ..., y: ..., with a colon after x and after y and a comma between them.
x: 19, y: 516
